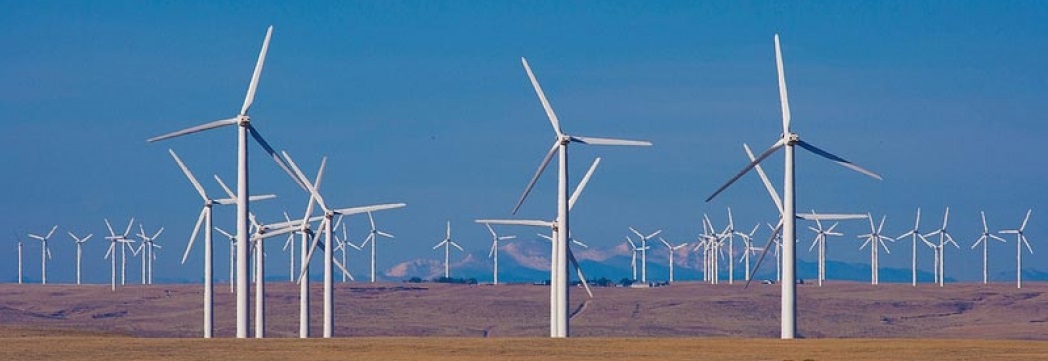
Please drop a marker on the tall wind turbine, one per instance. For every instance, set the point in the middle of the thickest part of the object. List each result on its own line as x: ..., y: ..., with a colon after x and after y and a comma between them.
x: 79, y: 252
x: 672, y: 249
x: 447, y: 243
x: 19, y: 257
x: 205, y: 221
x: 559, y: 284
x: 820, y: 241
x: 748, y: 248
x: 343, y: 245
x: 329, y: 247
x: 788, y: 141
x: 557, y: 328
x: 115, y: 239
x: 244, y: 127
x: 914, y: 234
x: 1020, y: 239
x: 644, y: 251
x: 148, y: 256
x: 45, y: 252
x: 875, y: 239
x: 944, y: 238
x: 372, y: 238
x: 985, y: 240
x: 232, y: 261
x: 494, y: 253
x: 633, y: 259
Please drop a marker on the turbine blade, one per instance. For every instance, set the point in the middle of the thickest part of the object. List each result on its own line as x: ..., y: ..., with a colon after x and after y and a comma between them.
x: 611, y: 141
x: 582, y: 184
x: 194, y: 129
x: 1025, y: 220
x: 343, y: 269
x: 309, y: 255
x: 250, y: 97
x: 837, y: 159
x: 111, y: 233
x: 783, y: 98
x: 129, y: 224
x: 778, y: 144
x: 276, y: 158
x: 224, y: 233
x: 364, y: 209
x: 192, y: 179
x: 534, y: 178
x: 517, y: 222
x: 582, y: 277
x: 303, y: 180
x: 760, y: 260
x: 542, y: 97
x: 51, y: 232
x: 196, y: 229
x: 764, y: 178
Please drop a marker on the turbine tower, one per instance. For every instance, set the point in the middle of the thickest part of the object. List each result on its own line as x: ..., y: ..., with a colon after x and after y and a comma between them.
x: 788, y: 141
x: 1020, y: 239
x: 494, y: 253
x: 114, y: 239
x: 672, y: 249
x: 372, y: 238
x: 644, y: 251
x: 79, y: 252
x: 45, y: 252
x: 944, y: 238
x: 559, y: 284
x: 820, y: 241
x: 447, y: 243
x: 875, y: 240
x: 914, y: 234
x: 985, y: 240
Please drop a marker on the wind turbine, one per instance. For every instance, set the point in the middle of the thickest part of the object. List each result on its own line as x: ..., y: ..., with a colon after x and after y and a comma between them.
x: 820, y: 240
x: 79, y: 252
x: 788, y: 141
x: 113, y: 240
x: 644, y: 251
x: 232, y: 259
x: 672, y: 249
x: 372, y: 238
x: 1020, y: 239
x: 19, y: 258
x: 875, y: 239
x: 985, y: 240
x: 944, y: 238
x: 342, y: 243
x: 244, y: 127
x: 747, y: 241
x: 559, y: 284
x: 914, y: 234
x: 633, y: 259
x: 709, y: 242
x: 494, y: 253
x: 558, y: 294
x: 148, y: 256
x: 45, y: 252
x: 729, y: 233
x: 447, y: 243
x: 326, y: 226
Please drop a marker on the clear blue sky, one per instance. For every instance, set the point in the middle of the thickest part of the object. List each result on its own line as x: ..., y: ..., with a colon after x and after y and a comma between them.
x: 426, y: 102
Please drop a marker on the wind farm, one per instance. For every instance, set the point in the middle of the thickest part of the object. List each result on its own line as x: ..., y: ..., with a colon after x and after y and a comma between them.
x: 434, y: 106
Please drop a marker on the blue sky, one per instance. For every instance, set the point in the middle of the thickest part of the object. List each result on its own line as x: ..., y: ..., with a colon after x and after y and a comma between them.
x: 426, y: 102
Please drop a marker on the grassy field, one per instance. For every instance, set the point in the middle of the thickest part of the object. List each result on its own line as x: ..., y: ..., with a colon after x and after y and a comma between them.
x: 511, y: 349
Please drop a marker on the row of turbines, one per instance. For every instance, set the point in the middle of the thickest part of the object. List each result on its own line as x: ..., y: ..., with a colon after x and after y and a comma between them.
x: 249, y: 228
x: 146, y: 249
x: 712, y: 245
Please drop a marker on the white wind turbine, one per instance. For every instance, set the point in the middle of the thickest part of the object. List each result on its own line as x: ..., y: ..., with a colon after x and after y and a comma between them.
x: 788, y: 141
x: 343, y: 245
x: 114, y: 239
x: 820, y: 241
x: 244, y: 127
x: 914, y: 234
x: 289, y: 246
x: 232, y: 262
x: 494, y: 253
x: 19, y: 257
x: 633, y: 259
x: 558, y: 311
x: 1020, y: 239
x: 729, y: 233
x: 559, y: 284
x: 644, y: 251
x: 985, y: 240
x: 747, y: 242
x: 875, y: 239
x: 372, y: 238
x: 326, y: 226
x: 709, y: 243
x: 45, y: 252
x: 672, y: 249
x: 447, y: 243
x: 79, y: 252
x: 205, y: 221
x: 944, y: 238
x: 148, y: 246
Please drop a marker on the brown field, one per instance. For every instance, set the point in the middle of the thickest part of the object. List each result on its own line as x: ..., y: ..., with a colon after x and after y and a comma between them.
x: 842, y: 321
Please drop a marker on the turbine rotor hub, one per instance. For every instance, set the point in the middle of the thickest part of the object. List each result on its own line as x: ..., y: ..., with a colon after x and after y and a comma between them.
x: 243, y: 120
x: 792, y: 138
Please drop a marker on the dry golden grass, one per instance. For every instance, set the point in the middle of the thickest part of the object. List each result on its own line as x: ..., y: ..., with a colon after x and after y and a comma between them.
x: 513, y: 349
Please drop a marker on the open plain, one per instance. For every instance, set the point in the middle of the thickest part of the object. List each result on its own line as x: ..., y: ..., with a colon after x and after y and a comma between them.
x: 438, y: 321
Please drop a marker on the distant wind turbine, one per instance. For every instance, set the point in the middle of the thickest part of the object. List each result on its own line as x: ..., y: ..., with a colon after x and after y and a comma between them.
x: 985, y: 240
x: 79, y: 252
x: 45, y: 252
x: 1020, y: 239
